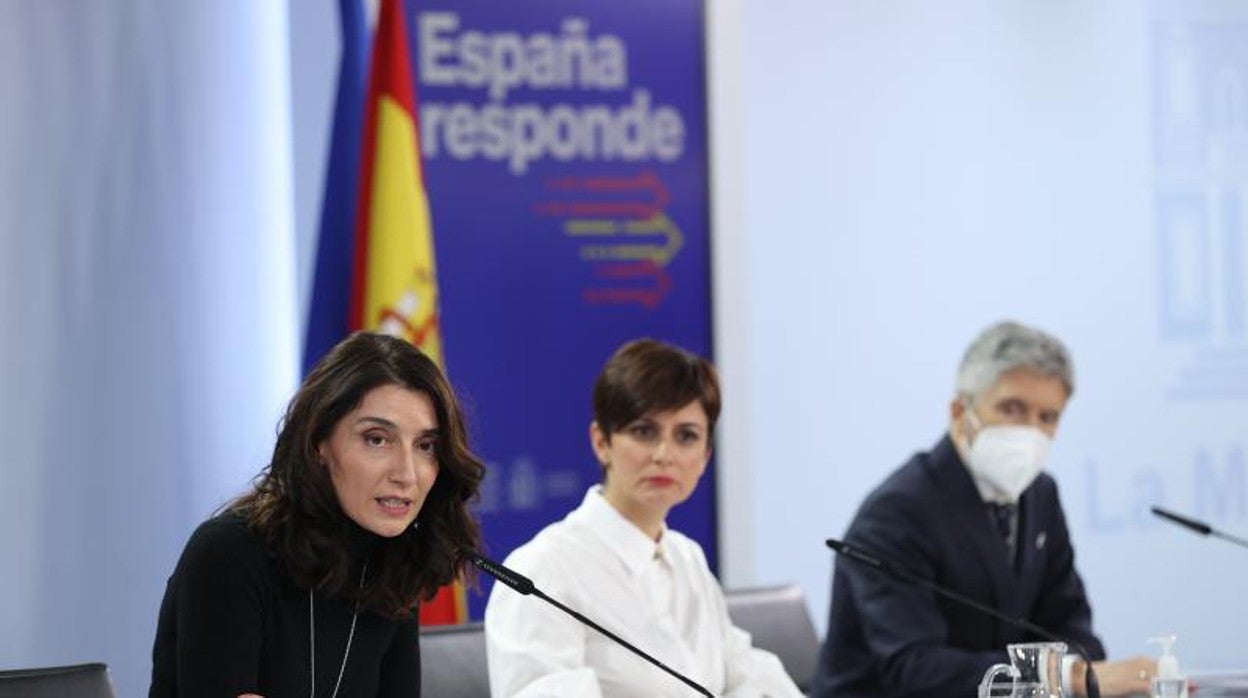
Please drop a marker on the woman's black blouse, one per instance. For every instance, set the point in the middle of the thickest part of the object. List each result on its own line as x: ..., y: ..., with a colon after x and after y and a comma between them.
x: 233, y: 622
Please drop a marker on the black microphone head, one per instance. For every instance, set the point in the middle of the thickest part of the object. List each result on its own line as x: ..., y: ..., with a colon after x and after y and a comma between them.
x: 858, y: 555
x: 1203, y: 529
x: 507, y: 576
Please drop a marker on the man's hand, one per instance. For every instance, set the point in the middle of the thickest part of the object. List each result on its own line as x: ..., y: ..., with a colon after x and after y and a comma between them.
x: 1126, y: 677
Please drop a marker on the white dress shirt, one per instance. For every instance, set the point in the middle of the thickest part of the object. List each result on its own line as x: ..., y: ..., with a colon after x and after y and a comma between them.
x: 660, y: 596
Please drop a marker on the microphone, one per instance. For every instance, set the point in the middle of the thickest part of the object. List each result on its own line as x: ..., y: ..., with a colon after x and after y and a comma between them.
x: 865, y: 558
x: 1200, y: 527
x: 523, y: 585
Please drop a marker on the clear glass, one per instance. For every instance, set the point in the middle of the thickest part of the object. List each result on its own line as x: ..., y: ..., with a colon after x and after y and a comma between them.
x: 1035, y: 670
x: 1168, y: 688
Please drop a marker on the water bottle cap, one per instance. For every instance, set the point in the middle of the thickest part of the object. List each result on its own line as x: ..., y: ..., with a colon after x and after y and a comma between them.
x: 1167, y: 663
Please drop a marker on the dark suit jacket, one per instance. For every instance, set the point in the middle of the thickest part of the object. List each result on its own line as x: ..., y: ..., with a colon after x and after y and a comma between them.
x: 890, y: 638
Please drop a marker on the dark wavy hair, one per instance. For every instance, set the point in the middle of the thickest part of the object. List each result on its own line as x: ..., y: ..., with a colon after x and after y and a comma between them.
x: 646, y: 375
x: 294, y: 508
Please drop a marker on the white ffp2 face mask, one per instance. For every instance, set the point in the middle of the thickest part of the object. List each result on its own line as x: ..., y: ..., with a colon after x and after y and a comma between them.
x: 1008, y: 457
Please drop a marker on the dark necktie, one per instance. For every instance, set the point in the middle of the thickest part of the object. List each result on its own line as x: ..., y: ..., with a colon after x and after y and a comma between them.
x: 1005, y: 519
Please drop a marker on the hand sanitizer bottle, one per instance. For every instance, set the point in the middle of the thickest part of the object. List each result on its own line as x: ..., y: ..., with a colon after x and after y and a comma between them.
x: 1168, y: 683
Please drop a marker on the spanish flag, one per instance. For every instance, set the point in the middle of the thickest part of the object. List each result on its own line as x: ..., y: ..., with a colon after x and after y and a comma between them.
x: 393, y: 278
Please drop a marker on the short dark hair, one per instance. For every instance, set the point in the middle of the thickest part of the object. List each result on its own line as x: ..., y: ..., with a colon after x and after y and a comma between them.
x: 645, y: 376
x: 294, y: 507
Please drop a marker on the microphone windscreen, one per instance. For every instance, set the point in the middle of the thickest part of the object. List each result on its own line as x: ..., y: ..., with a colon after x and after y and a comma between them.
x: 1203, y: 529
x: 507, y: 576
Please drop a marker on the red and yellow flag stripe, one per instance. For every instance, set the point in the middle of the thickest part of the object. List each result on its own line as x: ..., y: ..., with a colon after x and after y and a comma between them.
x: 394, y: 287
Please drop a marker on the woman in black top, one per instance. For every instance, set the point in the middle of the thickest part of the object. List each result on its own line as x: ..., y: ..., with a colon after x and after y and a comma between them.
x: 308, y: 585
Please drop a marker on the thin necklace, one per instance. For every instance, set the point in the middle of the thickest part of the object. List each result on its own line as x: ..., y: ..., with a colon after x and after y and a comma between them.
x: 312, y: 639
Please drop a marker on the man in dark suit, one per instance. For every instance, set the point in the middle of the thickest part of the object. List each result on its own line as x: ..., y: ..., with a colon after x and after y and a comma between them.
x: 976, y: 515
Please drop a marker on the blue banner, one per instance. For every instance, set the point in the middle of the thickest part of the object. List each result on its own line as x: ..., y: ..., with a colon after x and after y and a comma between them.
x: 331, y: 288
x: 565, y: 150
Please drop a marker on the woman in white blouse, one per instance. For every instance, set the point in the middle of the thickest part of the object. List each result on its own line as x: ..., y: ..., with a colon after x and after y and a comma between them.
x: 614, y: 559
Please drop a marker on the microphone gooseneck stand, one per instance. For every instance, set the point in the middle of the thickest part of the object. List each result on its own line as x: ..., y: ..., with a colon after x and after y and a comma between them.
x: 523, y: 585
x: 1200, y: 527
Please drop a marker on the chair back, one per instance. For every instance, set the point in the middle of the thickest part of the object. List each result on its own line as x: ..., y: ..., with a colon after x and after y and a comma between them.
x: 452, y: 661
x: 77, y: 681
x: 779, y: 622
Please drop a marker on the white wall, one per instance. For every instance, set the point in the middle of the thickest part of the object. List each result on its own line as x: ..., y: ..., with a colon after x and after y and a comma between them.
x: 730, y: 279
x: 147, y: 297
x: 916, y: 171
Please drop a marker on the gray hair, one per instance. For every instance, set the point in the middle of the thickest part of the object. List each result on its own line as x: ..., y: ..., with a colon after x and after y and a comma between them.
x: 1006, y: 346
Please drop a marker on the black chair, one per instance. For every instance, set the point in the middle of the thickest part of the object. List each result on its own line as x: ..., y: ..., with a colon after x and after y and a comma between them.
x: 452, y: 662
x: 779, y: 622
x: 77, y: 681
